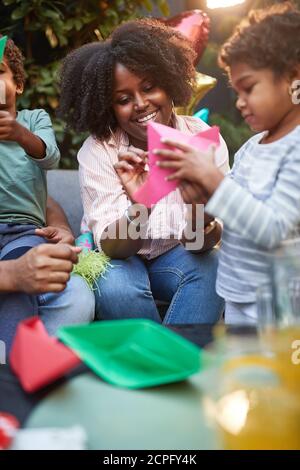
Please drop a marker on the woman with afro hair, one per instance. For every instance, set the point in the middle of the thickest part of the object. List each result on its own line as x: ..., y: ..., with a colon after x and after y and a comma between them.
x: 113, y: 89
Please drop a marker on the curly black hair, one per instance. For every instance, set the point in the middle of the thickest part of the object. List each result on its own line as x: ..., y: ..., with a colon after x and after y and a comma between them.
x: 15, y: 60
x: 147, y: 48
x: 268, y: 38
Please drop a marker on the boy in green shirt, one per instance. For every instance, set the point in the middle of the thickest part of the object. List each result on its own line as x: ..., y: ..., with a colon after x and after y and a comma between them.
x: 27, y: 149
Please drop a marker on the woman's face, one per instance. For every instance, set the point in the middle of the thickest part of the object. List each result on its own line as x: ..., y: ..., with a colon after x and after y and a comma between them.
x: 136, y: 102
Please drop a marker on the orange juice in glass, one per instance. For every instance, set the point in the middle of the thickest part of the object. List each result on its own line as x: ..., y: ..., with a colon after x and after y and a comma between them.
x: 284, y: 344
x: 258, y: 419
x: 257, y: 402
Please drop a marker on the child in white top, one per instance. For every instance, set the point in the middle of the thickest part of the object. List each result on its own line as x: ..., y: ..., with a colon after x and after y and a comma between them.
x: 259, y: 201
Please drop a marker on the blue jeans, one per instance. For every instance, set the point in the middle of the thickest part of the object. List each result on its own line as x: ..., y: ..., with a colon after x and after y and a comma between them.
x: 179, y: 277
x: 75, y: 304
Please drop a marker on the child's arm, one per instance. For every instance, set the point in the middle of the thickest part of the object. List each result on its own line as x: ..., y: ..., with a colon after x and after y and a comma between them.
x: 10, y: 129
x: 39, y: 145
x: 265, y: 222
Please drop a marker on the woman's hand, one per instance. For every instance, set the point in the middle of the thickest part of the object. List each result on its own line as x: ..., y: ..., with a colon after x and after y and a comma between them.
x: 56, y: 234
x: 131, y: 170
x: 193, y: 166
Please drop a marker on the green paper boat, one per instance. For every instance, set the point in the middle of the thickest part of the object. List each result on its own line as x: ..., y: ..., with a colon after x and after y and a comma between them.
x: 133, y: 353
x: 2, y: 46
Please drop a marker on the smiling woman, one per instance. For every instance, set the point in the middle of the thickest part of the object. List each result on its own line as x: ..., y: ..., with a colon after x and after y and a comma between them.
x: 136, y: 102
x: 88, y: 78
x: 114, y: 89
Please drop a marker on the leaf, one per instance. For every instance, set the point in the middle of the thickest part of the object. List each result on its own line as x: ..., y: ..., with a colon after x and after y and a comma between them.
x: 111, y: 14
x: 51, y: 14
x: 63, y: 41
x: 51, y: 36
x: 8, y: 2
x: 78, y: 24
x: 164, y: 7
x: 19, y: 12
x: 148, y: 4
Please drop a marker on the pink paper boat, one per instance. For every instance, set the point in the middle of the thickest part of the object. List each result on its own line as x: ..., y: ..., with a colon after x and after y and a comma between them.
x: 156, y: 187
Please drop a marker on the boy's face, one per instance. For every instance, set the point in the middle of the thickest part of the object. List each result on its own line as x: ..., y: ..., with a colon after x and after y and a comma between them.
x: 8, y: 88
x: 263, y: 98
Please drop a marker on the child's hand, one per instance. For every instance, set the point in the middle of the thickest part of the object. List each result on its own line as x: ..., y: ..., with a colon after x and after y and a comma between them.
x: 192, y: 193
x: 191, y: 165
x: 131, y: 170
x: 9, y: 127
x: 56, y: 234
x: 11, y: 130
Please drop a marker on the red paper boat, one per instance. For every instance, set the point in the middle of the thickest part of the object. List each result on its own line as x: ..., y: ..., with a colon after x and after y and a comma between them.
x: 37, y: 358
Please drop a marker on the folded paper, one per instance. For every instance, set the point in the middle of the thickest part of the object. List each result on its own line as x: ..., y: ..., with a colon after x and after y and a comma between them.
x: 156, y: 187
x: 37, y: 358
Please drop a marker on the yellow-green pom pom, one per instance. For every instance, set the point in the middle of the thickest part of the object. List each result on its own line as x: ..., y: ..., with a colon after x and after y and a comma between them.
x: 91, y: 265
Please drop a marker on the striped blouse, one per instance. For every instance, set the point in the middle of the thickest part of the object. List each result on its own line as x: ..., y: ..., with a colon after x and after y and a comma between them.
x: 105, y: 200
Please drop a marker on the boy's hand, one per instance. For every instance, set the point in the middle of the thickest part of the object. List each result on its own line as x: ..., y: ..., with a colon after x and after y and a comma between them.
x: 9, y: 127
x: 11, y: 130
x: 191, y: 165
x: 45, y: 268
x: 56, y: 234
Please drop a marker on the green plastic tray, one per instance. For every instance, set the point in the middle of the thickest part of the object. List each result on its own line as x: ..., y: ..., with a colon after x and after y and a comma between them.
x: 133, y: 353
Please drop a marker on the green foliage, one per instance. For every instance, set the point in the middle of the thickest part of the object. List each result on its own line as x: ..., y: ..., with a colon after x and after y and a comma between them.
x: 46, y: 30
x: 209, y: 60
x: 234, y: 134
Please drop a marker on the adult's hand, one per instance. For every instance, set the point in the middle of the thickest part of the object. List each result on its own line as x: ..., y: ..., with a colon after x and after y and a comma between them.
x: 131, y: 170
x: 56, y: 234
x: 45, y: 268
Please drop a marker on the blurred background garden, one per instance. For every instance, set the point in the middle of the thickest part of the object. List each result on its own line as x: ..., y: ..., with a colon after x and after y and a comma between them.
x: 46, y: 30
